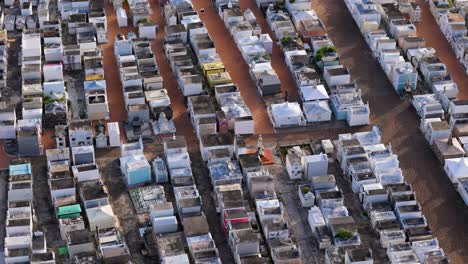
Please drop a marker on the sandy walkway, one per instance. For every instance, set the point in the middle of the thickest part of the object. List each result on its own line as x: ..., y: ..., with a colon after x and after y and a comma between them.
x: 441, y: 204
x: 431, y: 32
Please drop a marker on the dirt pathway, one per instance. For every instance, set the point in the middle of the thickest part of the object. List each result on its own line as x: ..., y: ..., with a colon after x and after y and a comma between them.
x: 431, y: 32
x: 441, y: 204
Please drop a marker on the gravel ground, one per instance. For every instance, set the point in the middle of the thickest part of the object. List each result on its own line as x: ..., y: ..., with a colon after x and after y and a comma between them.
x: 297, y: 215
x: 200, y: 174
x: 441, y: 204
x: 44, y: 211
x: 128, y: 220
